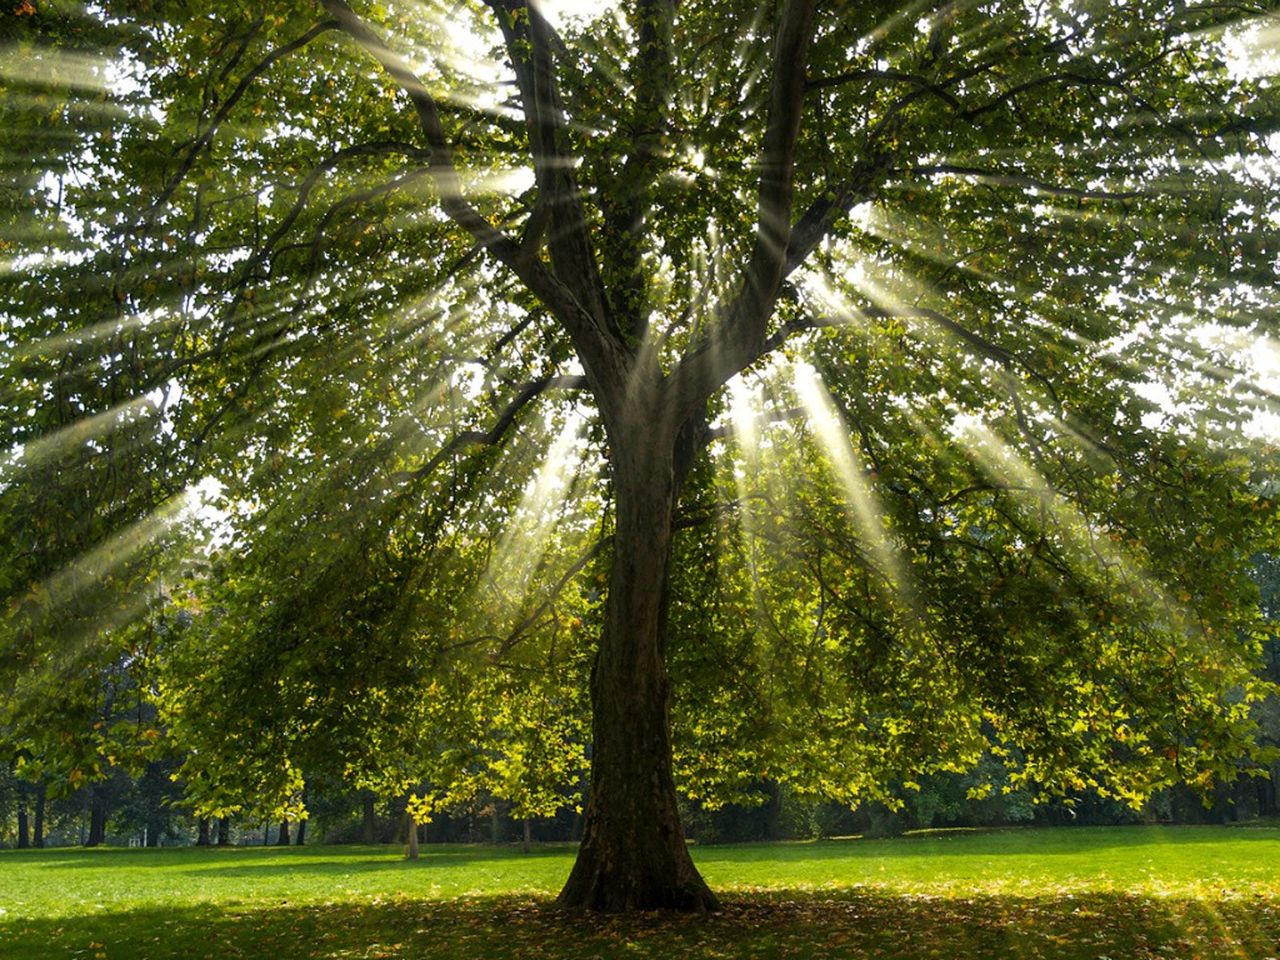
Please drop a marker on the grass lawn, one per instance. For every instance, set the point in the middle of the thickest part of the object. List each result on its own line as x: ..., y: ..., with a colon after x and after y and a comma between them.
x: 1123, y: 892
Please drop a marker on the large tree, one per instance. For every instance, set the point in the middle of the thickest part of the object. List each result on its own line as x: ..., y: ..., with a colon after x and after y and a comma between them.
x: 975, y: 273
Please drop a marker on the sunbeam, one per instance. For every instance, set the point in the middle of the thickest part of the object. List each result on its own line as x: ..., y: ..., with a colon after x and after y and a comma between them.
x: 834, y: 436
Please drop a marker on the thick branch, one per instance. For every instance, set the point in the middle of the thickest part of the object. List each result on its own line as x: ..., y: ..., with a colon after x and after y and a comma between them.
x: 529, y: 41
x: 605, y: 363
x: 627, y: 206
x: 740, y: 336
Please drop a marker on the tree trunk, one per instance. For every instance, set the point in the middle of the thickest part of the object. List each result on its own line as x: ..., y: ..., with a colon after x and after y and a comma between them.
x: 37, y: 838
x: 283, y: 839
x: 24, y: 830
x: 97, y: 820
x: 369, y: 824
x: 773, y: 811
x: 202, y: 838
x: 224, y: 831
x: 413, y: 839
x: 301, y: 838
x: 527, y: 839
x: 633, y: 854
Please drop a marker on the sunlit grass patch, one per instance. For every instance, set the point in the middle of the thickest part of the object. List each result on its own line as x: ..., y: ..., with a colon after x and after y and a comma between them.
x: 1066, y: 893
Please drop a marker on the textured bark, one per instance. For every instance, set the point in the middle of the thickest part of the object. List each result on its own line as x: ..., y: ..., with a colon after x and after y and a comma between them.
x: 282, y: 839
x: 202, y: 838
x: 527, y: 840
x: 633, y: 854
x: 301, y: 836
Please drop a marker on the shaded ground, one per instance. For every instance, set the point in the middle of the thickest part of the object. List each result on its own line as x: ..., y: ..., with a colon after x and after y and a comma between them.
x: 778, y: 925
x: 1070, y: 893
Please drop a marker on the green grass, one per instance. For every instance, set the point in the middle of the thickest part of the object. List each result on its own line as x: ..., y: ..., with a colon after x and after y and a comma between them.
x: 1124, y: 892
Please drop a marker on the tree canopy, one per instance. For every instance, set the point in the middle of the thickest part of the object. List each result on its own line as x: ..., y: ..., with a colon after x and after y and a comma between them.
x: 704, y: 393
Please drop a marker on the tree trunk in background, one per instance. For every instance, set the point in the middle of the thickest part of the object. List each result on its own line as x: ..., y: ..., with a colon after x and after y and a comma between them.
x: 42, y: 790
x: 413, y: 839
x: 527, y: 839
x: 224, y: 831
x: 773, y: 811
x: 369, y: 822
x: 155, y: 825
x: 97, y: 819
x: 283, y: 839
x: 495, y: 824
x: 302, y: 833
x: 633, y: 854
x: 202, y: 837
x: 24, y: 831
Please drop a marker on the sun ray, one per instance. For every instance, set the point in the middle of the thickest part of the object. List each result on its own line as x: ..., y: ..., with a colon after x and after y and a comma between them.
x: 854, y: 478
x: 526, y: 540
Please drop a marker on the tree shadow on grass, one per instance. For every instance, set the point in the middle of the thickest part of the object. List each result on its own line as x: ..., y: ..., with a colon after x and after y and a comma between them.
x: 776, y: 925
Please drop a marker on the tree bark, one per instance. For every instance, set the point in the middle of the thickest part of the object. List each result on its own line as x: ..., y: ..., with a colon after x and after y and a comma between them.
x: 283, y: 839
x: 369, y: 823
x: 527, y: 840
x: 37, y: 838
x: 24, y: 830
x: 301, y: 837
x: 224, y: 831
x: 413, y: 839
x: 202, y: 837
x: 633, y: 854
x: 97, y: 819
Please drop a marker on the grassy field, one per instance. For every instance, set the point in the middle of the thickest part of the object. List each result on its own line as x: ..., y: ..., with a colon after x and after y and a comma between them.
x: 1125, y: 892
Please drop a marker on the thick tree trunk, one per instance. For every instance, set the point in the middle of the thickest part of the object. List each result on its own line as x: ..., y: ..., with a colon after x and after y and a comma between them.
x: 301, y: 837
x: 202, y: 837
x: 633, y: 854
x: 37, y: 838
x: 282, y: 840
x: 224, y: 831
x: 527, y: 840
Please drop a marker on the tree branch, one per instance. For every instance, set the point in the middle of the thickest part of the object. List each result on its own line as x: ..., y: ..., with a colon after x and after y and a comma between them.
x: 529, y: 41
x: 494, y: 435
x: 740, y: 336
x: 627, y: 206
x: 202, y: 142
x: 606, y: 364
